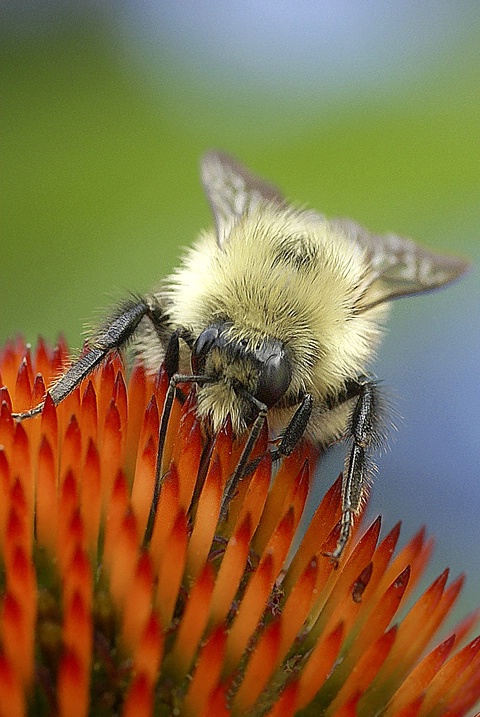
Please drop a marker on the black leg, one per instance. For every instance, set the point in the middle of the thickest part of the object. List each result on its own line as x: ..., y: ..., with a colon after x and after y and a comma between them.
x: 365, y: 433
x: 172, y: 354
x: 171, y: 362
x: 162, y: 434
x: 113, y: 334
x: 295, y: 429
x: 241, y: 468
x: 292, y: 434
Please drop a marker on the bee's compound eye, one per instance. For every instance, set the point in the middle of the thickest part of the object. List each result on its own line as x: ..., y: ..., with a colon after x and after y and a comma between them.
x: 275, y: 378
x: 203, y: 345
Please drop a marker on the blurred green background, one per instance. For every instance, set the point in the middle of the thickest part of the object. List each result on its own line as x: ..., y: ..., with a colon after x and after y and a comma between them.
x: 351, y: 108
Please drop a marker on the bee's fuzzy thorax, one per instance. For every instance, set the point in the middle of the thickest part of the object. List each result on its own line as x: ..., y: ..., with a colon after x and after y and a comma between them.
x: 281, y: 275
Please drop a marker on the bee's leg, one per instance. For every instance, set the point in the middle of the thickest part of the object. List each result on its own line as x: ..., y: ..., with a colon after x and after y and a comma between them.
x: 171, y: 359
x: 113, y: 334
x: 363, y: 429
x: 242, y: 469
x: 296, y: 428
x: 171, y: 362
x: 293, y: 433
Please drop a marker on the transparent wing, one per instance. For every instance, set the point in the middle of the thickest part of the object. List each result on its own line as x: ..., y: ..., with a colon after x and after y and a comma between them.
x: 232, y: 190
x: 401, y: 267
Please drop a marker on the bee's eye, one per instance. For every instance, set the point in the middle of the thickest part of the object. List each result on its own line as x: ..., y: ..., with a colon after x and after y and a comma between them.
x: 203, y: 345
x: 275, y: 377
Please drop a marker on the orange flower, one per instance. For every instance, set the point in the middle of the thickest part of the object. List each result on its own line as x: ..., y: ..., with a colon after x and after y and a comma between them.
x: 211, y: 617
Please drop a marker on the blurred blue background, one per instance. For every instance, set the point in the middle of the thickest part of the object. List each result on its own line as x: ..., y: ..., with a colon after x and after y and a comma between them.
x: 362, y: 109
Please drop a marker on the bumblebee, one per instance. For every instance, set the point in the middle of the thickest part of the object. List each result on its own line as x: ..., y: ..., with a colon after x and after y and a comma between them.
x: 277, y: 311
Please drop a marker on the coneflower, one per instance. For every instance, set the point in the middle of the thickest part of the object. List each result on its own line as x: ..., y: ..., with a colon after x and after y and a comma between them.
x: 211, y: 617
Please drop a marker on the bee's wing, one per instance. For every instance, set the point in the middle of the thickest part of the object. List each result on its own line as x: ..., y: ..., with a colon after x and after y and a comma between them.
x: 232, y: 190
x: 401, y: 267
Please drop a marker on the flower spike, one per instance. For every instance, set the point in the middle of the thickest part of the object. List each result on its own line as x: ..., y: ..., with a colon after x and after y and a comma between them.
x: 216, y: 614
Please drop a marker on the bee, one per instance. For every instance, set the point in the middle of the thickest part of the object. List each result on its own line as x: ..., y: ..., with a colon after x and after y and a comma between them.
x: 277, y: 311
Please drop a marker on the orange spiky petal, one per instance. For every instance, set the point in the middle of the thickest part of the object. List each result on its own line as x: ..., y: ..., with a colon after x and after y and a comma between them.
x: 207, y: 514
x: 207, y: 673
x: 143, y: 485
x: 21, y: 468
x: 38, y: 390
x: 67, y: 510
x: 217, y: 704
x: 112, y: 450
x: 12, y: 694
x: 349, y: 709
x: 138, y: 600
x: 375, y: 625
x: 137, y: 400
x: 237, y: 503
x: 167, y: 508
x: 72, y: 686
x: 46, y: 496
x: 298, y: 604
x: 172, y: 432
x: 285, y: 705
x: 7, y: 425
x: 124, y: 558
x: 259, y: 587
x: 412, y: 633
x: 139, y: 700
x: 450, y: 679
x: 367, y: 667
x: 106, y: 377
x: 231, y: 570
x: 18, y: 636
x: 71, y: 448
x: 447, y: 601
x: 260, y: 667
x: 325, y: 517
x: 250, y: 610
x: 280, y: 498
x: 466, y: 625
x: 78, y: 578
x: 42, y: 359
x: 318, y: 665
x: 418, y: 680
x: 193, y: 622
x: 90, y: 502
x: 49, y: 423
x: 382, y: 557
x: 77, y: 629
x: 18, y: 530
x: 188, y: 463
x: 4, y: 493
x: 22, y: 583
x: 117, y: 507
x: 148, y: 651
x: 120, y: 400
x: 89, y: 415
x: 23, y: 386
x: 361, y: 555
x: 255, y: 496
x: 171, y: 567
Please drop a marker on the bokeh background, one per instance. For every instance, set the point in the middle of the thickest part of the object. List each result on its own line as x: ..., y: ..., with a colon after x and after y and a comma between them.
x: 363, y: 109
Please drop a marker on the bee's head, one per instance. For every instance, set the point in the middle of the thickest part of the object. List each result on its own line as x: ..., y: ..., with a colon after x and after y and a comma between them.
x: 242, y: 373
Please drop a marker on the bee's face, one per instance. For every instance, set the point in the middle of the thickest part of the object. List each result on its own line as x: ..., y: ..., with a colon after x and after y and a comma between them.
x: 241, y: 378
